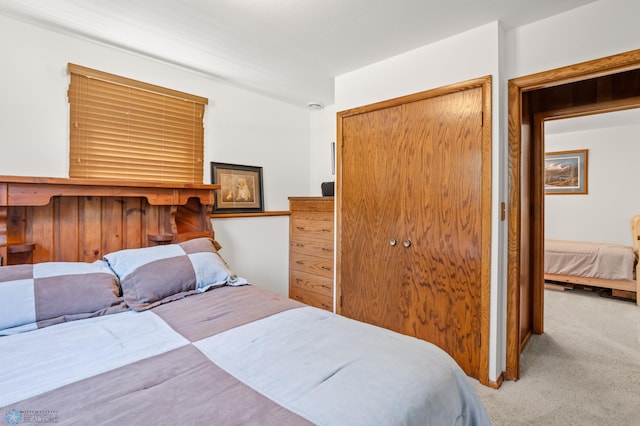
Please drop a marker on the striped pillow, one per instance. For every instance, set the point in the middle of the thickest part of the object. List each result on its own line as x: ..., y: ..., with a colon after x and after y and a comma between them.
x: 154, y: 275
x: 48, y: 293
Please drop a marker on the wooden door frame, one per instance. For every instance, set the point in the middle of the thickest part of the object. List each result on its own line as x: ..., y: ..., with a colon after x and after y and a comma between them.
x: 487, y: 139
x: 516, y: 88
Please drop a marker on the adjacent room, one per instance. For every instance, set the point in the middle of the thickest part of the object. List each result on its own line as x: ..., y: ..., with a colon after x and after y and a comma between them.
x: 297, y: 197
x: 603, y: 146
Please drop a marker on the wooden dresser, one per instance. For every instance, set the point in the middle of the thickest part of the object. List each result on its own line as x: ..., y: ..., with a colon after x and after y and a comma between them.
x: 311, y: 251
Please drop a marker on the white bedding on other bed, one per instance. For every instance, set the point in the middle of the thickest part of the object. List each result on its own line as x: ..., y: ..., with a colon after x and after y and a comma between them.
x: 591, y: 260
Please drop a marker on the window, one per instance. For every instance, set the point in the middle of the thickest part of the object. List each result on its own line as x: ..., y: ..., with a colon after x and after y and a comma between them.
x: 123, y: 129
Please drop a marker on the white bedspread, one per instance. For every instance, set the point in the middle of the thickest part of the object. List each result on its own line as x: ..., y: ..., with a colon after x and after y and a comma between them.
x: 280, y: 357
x: 232, y: 356
x: 40, y: 360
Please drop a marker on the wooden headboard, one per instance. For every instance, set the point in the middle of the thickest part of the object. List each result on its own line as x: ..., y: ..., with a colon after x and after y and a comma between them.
x: 71, y: 220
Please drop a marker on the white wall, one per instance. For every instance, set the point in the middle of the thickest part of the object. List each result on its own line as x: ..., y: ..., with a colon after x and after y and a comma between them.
x: 323, y: 133
x: 465, y: 56
x: 240, y: 127
x: 604, y: 214
x: 599, y: 29
x: 257, y: 249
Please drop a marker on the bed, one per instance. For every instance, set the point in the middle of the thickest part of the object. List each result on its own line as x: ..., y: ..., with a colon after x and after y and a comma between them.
x: 602, y: 265
x: 167, y: 333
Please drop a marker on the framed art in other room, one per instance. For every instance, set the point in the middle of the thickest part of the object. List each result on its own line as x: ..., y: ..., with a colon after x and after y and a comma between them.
x: 565, y: 172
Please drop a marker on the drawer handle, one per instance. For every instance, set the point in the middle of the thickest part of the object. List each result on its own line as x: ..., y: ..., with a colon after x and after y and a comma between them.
x: 326, y: 268
x: 327, y: 249
x: 327, y: 230
x: 300, y: 228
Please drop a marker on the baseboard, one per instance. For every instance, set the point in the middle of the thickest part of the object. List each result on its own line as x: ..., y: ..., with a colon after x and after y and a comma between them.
x: 497, y: 383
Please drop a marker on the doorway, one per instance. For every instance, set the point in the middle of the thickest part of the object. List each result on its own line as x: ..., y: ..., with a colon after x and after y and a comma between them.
x: 602, y: 85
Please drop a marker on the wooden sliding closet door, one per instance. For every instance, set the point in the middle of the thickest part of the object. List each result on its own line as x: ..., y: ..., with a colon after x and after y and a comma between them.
x: 411, y: 218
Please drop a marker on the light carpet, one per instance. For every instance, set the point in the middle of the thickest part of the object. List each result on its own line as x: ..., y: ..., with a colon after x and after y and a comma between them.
x: 584, y: 370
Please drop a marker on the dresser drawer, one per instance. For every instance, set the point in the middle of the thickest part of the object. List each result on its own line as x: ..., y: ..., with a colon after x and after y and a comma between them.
x: 318, y: 216
x: 318, y: 229
x: 311, y: 264
x: 304, y: 281
x: 322, y: 204
x: 312, y: 298
x: 302, y: 243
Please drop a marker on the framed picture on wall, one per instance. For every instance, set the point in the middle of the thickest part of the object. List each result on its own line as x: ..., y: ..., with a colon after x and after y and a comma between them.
x: 565, y: 172
x: 241, y: 188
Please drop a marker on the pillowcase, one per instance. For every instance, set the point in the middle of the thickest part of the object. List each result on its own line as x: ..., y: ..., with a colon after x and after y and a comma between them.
x: 48, y: 293
x: 151, y: 276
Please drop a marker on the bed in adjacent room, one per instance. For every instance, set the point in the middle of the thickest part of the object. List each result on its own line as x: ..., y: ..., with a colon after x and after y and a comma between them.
x: 162, y: 331
x: 594, y: 264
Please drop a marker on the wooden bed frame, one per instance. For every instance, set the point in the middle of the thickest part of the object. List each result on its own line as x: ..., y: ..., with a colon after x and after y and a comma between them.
x: 73, y: 220
x: 619, y: 288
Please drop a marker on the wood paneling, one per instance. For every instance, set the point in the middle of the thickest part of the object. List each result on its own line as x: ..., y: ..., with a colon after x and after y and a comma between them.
x: 78, y: 220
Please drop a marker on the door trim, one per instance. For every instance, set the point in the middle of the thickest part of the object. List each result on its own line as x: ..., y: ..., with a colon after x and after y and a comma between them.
x: 516, y: 88
x: 485, y: 83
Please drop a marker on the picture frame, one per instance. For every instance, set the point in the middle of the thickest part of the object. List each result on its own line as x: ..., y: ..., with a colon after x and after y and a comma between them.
x: 241, y: 188
x: 566, y: 172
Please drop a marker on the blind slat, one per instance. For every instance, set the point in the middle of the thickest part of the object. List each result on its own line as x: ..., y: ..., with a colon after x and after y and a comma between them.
x: 122, y: 129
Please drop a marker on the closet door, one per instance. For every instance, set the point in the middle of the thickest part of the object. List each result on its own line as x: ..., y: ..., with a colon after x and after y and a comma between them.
x: 422, y: 161
x: 372, y: 215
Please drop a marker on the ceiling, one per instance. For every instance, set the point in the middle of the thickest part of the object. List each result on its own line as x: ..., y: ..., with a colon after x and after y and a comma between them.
x: 604, y: 120
x: 286, y: 49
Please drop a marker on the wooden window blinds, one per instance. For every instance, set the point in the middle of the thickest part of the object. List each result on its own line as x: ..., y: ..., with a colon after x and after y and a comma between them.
x: 123, y: 129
